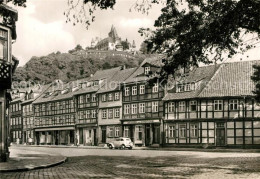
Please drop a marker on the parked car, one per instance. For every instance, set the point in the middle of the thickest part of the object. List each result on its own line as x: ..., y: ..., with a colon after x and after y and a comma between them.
x: 121, y: 143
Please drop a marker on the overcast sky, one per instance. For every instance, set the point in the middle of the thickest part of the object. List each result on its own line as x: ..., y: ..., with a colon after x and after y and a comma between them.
x: 41, y: 28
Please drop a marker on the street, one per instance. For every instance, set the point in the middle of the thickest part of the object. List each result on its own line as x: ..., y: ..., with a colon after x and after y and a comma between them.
x: 105, y: 163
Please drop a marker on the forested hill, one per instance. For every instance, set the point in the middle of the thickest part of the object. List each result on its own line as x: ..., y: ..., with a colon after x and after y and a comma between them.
x: 73, y: 65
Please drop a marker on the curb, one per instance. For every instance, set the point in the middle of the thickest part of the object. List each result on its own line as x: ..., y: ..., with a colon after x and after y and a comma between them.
x: 34, y: 168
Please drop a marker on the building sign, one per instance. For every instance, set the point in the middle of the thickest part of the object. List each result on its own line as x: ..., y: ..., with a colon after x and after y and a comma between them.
x: 142, y: 121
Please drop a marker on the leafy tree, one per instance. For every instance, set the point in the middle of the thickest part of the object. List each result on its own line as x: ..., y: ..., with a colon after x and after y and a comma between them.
x: 256, y: 79
x: 143, y: 48
x: 15, y: 2
x: 125, y: 44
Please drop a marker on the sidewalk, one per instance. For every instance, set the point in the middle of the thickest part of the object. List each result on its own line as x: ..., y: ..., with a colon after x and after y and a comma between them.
x: 23, y: 160
x: 168, y: 148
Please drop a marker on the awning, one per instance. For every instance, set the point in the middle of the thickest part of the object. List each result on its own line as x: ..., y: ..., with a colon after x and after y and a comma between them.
x: 55, y: 129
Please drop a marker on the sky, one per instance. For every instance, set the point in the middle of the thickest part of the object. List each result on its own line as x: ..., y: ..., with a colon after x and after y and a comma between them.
x: 42, y: 27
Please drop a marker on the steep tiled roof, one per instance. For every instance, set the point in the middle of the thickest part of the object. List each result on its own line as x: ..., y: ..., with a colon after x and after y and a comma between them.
x: 154, y: 61
x: 232, y: 79
x: 114, y: 82
x: 199, y: 75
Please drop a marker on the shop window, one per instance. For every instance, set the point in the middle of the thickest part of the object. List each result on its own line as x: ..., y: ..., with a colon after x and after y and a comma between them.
x: 182, y: 131
x: 172, y: 132
x: 110, y: 131
x: 142, y: 89
x: 139, y: 130
x: 194, y: 130
x: 126, y: 91
x: 127, y: 108
x: 218, y: 105
x: 141, y: 107
x: 193, y: 106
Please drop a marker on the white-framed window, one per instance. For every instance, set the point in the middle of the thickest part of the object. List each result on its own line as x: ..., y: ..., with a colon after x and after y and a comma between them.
x: 134, y: 108
x: 193, y: 105
x: 142, y: 89
x: 126, y: 91
x: 80, y: 100
x: 111, y: 132
x: 172, y: 131
x: 94, y: 114
x: 155, y: 88
x: 110, y: 113
x: 188, y: 87
x: 233, y: 104
x: 117, y: 96
x: 139, y: 131
x: 182, y: 131
x: 3, y: 45
x: 134, y: 90
x: 146, y: 70
x: 155, y: 106
x: 218, y: 105
x: 117, y: 113
x: 117, y: 129
x: 182, y: 106
x: 193, y: 130
x: 127, y: 108
x: 88, y: 114
x: 94, y: 98
x: 141, y: 107
x: 126, y: 131
x: 104, y: 113
x: 180, y: 88
x: 104, y: 97
x: 110, y: 97
x: 171, y: 107
x: 87, y: 98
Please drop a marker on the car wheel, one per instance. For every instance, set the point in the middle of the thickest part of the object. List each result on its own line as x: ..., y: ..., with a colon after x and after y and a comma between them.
x: 130, y: 148
x: 110, y: 146
x: 122, y: 147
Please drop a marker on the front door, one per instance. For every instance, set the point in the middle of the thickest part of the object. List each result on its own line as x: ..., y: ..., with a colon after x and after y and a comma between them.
x: 147, y: 135
x: 37, y: 138
x: 156, y: 134
x: 104, y: 135
x: 220, y: 135
x: 95, y: 137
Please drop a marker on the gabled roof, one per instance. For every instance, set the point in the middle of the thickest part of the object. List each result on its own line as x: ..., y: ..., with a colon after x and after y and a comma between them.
x: 201, y: 76
x: 114, y: 82
x: 138, y: 75
x: 232, y: 79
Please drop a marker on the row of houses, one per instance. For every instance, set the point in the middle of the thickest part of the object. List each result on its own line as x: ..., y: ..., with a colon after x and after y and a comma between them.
x: 209, y: 105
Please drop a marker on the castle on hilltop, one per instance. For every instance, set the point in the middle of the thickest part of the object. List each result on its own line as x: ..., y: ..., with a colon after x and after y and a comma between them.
x: 112, y: 42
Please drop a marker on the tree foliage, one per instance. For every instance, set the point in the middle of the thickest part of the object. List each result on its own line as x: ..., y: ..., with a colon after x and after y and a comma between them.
x: 256, y: 79
x: 21, y: 3
x: 125, y: 44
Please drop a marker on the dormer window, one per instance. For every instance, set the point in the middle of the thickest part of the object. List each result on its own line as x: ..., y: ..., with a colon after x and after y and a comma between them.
x: 180, y: 88
x: 96, y: 83
x: 3, y: 45
x: 146, y: 70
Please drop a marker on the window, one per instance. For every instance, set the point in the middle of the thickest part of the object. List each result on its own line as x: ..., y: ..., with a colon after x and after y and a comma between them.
x: 172, y: 131
x: 117, y: 96
x: 218, y: 104
x: 87, y: 98
x: 127, y: 108
x: 110, y: 97
x: 88, y: 114
x: 126, y: 91
x: 142, y: 108
x: 116, y: 131
x: 193, y: 130
x: 171, y: 107
x: 104, y: 97
x: 134, y: 90
x: 134, y: 108
x: 142, y: 89
x: 110, y: 113
x: 104, y: 113
x: 117, y: 113
x: 180, y: 88
x: 233, y: 104
x: 139, y: 130
x: 155, y: 88
x: 94, y: 98
x: 193, y: 105
x: 188, y: 87
x: 155, y: 106
x: 182, y: 106
x: 110, y: 131
x: 146, y: 70
x: 3, y: 45
x: 182, y: 131
x: 94, y: 113
x: 80, y: 99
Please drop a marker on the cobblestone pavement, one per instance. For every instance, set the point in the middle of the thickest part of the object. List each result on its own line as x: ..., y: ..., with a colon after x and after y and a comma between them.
x: 140, y: 164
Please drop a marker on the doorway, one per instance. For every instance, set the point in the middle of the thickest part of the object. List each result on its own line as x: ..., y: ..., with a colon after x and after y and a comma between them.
x: 220, y: 134
x: 147, y: 135
x: 104, y: 133
x: 156, y: 134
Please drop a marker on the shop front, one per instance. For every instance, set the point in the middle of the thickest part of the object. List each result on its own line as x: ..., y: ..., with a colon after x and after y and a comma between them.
x: 86, y: 135
x: 143, y: 132
x: 55, y: 136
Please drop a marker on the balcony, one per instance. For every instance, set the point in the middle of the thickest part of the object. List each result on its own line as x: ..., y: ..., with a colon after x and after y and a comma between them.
x: 5, y: 74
